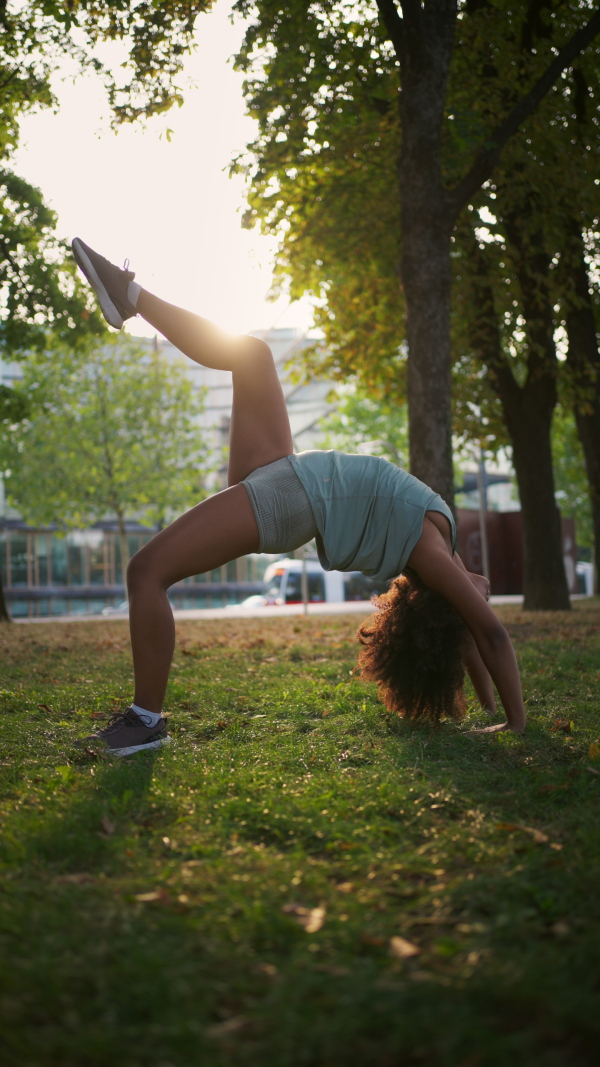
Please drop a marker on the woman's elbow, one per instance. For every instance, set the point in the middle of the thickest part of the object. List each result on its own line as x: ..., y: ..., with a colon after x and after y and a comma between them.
x: 496, y: 637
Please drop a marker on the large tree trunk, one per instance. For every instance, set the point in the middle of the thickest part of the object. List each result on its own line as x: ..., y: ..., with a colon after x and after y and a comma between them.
x: 583, y: 360
x: 528, y: 411
x: 529, y: 419
x: 4, y: 613
x: 426, y: 230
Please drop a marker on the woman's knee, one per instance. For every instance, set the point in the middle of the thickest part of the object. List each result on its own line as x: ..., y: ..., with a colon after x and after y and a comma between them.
x: 253, y: 350
x: 143, y: 568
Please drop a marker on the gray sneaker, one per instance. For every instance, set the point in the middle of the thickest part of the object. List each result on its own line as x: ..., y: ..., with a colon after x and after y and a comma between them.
x: 110, y: 283
x: 126, y: 733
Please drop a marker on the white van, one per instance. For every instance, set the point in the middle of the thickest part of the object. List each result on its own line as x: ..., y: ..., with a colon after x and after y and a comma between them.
x: 283, y: 584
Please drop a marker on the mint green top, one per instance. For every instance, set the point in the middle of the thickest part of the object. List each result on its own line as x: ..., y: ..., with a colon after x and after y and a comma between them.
x: 369, y: 513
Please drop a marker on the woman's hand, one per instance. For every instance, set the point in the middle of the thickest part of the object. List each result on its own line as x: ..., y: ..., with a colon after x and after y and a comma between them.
x: 497, y: 728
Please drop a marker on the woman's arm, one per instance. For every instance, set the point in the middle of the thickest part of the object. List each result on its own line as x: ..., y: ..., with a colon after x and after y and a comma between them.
x: 476, y: 668
x: 437, y: 569
x: 480, y: 677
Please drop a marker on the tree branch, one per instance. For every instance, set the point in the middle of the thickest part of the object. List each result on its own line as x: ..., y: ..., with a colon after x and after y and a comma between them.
x: 489, y: 157
x: 388, y: 13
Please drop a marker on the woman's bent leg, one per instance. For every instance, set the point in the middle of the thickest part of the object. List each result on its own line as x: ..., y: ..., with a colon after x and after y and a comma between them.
x: 214, y: 532
x: 260, y: 428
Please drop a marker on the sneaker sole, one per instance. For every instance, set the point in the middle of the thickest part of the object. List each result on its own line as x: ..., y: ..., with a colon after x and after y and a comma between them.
x: 139, y: 748
x: 108, y: 308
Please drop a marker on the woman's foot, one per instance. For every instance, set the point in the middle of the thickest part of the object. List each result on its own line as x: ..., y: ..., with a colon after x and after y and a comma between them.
x: 127, y: 733
x: 110, y: 283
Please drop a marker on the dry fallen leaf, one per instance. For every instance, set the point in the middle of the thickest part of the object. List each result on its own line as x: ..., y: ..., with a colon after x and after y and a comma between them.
x: 538, y: 836
x: 152, y: 896
x: 403, y: 949
x: 566, y: 725
x: 593, y: 750
x: 345, y: 887
x: 76, y: 878
x: 372, y: 939
x: 267, y: 968
x: 107, y: 825
x: 311, y: 919
x: 228, y: 1026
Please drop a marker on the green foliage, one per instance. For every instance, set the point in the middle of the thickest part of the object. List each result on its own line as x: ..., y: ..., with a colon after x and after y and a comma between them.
x: 177, y: 878
x: 322, y: 82
x: 111, y: 430
x: 321, y: 85
x: 14, y: 406
x: 39, y: 284
x: 38, y: 35
x: 361, y: 423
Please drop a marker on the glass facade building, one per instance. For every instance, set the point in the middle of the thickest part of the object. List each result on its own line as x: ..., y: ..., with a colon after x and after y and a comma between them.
x: 49, y: 572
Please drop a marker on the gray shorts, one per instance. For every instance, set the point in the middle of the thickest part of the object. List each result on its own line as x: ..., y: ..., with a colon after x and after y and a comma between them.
x: 281, y: 507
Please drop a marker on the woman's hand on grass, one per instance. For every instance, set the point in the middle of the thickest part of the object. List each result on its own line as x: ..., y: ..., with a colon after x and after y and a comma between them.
x: 497, y: 728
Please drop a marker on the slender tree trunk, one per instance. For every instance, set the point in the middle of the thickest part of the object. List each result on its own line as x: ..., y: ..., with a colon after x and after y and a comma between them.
x: 4, y: 613
x: 583, y: 361
x: 528, y: 411
x: 124, y: 548
x: 426, y: 230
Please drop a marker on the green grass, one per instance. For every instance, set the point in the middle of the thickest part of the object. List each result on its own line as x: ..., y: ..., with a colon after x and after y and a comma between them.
x: 150, y: 911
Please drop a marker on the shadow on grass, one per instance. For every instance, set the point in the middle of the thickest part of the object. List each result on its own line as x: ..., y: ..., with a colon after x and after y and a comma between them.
x: 80, y: 835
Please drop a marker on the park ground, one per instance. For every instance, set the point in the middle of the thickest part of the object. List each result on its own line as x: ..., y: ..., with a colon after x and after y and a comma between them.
x: 300, y: 878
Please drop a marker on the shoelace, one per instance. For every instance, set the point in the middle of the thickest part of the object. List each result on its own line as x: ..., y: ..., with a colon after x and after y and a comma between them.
x: 122, y: 718
x: 130, y: 274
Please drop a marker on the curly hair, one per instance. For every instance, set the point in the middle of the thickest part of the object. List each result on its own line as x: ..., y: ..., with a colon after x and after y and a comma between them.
x: 414, y: 648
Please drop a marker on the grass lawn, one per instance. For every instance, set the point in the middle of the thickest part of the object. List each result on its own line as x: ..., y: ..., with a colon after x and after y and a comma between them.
x: 299, y: 879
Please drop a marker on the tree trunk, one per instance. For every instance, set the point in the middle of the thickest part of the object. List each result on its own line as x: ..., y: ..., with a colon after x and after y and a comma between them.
x: 4, y: 613
x: 545, y: 584
x: 583, y: 361
x: 426, y: 230
x: 124, y: 550
x: 528, y: 411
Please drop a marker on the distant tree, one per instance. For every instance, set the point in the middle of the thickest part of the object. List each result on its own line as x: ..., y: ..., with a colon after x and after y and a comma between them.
x: 111, y: 432
x: 364, y: 423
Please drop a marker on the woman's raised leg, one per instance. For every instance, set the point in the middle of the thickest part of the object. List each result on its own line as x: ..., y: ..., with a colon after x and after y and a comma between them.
x: 221, y: 528
x: 260, y: 428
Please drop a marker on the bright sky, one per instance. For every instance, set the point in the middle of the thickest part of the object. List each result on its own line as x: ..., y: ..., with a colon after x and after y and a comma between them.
x: 169, y: 207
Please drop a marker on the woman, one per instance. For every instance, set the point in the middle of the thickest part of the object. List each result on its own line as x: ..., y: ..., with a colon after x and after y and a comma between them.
x: 365, y: 513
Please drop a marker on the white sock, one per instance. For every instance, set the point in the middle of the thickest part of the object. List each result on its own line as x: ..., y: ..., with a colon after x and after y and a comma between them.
x: 133, y: 293
x: 149, y: 718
